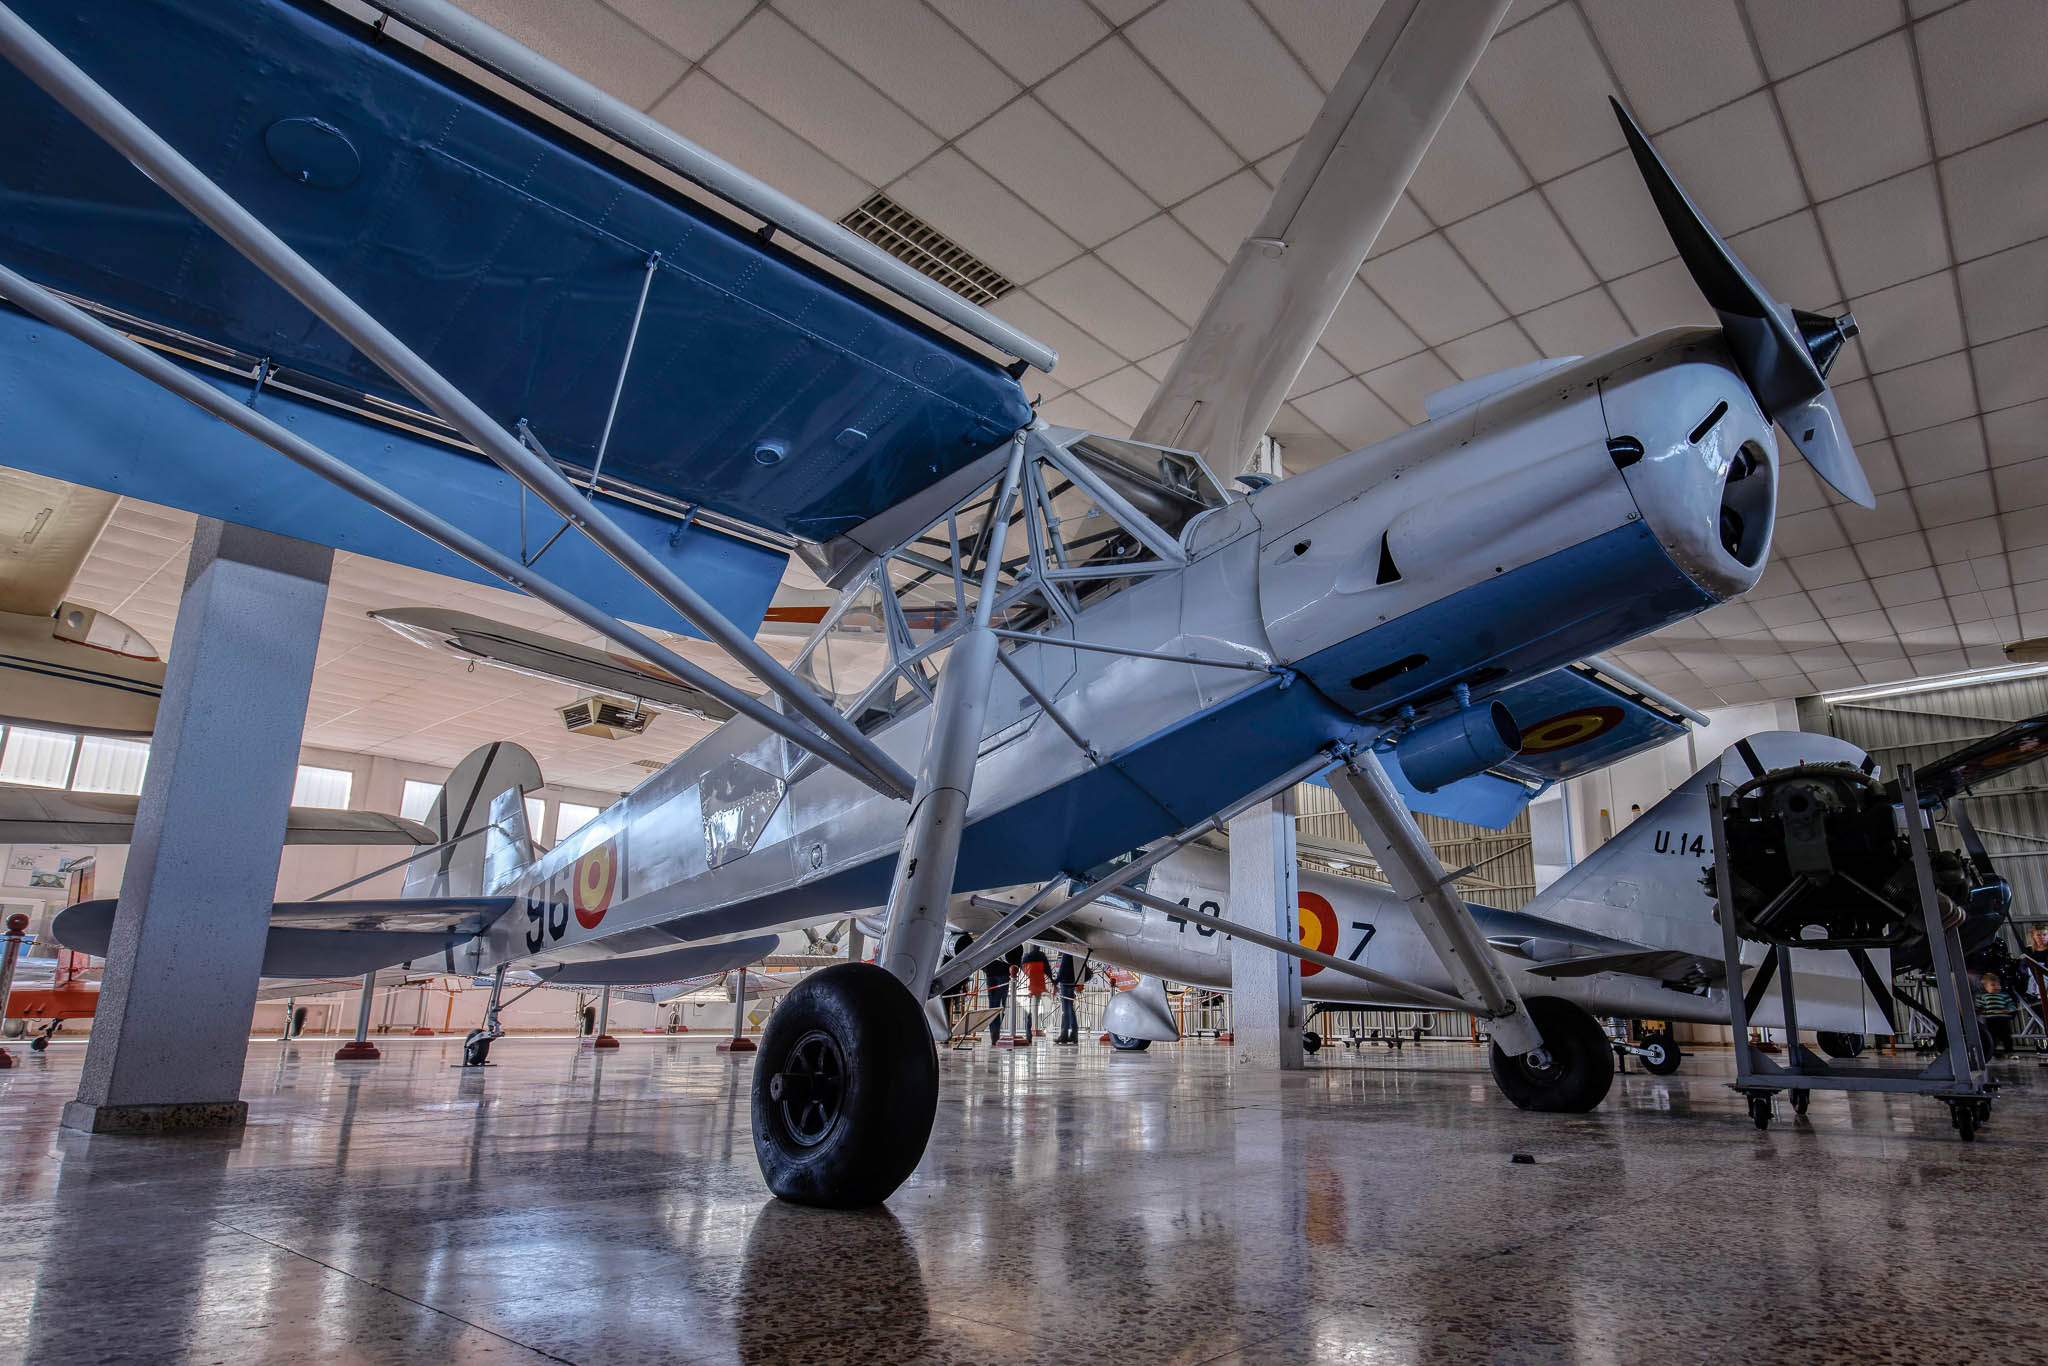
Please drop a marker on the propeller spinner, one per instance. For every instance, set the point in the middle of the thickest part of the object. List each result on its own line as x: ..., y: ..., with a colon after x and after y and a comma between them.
x: 1784, y: 353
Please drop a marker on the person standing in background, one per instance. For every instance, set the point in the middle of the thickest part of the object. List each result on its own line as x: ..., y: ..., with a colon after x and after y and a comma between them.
x: 1069, y: 979
x: 1037, y: 967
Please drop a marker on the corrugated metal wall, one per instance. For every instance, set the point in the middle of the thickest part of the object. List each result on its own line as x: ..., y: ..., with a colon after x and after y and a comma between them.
x: 2010, y: 812
x: 1505, y: 872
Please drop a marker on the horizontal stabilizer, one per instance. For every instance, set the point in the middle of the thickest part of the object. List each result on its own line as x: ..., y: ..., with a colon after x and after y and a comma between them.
x: 2016, y: 746
x: 326, y: 938
x: 34, y: 815
x: 1665, y: 965
x: 650, y: 969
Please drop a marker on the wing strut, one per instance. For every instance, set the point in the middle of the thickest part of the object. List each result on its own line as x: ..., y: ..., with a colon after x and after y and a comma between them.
x: 63, y: 81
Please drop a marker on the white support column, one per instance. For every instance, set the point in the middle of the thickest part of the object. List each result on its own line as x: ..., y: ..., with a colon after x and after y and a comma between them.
x: 194, y: 913
x: 1266, y: 1014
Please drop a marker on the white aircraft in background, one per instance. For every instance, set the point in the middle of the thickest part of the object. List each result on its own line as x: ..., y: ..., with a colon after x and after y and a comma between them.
x: 1627, y: 932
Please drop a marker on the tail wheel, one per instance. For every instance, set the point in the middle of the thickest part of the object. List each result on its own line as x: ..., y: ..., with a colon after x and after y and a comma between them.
x: 39, y: 1043
x: 1660, y: 1053
x: 476, y: 1049
x: 1311, y: 1042
x: 846, y: 1084
x: 1577, y: 1068
x: 1839, y: 1045
x: 1124, y: 1043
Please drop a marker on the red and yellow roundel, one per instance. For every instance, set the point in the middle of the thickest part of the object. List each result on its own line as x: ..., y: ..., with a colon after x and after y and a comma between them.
x: 595, y: 880
x: 1569, y: 728
x: 1318, y: 922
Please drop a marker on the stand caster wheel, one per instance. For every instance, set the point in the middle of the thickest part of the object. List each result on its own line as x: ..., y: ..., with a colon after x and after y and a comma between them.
x: 476, y: 1049
x: 1311, y: 1042
x: 1966, y: 1123
x: 1760, y: 1111
x: 1800, y: 1097
x: 1660, y: 1053
x: 1124, y: 1043
x: 846, y: 1084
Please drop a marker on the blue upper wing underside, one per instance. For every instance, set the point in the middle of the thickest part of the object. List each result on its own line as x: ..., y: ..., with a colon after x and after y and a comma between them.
x: 504, y: 252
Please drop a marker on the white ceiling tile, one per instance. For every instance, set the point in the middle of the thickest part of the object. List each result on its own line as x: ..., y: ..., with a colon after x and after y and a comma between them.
x: 1927, y: 394
x: 1909, y: 322
x: 1796, y: 34
x: 1223, y: 215
x: 1610, y: 215
x: 2012, y: 371
x: 1859, y: 627
x: 1893, y: 554
x: 1891, y: 517
x: 1788, y: 259
x: 1164, y: 259
x: 1675, y: 61
x: 1057, y: 32
x: 1041, y: 159
x: 1110, y: 307
x: 1735, y: 165
x: 1403, y: 225
x: 1807, y: 534
x: 1319, y: 371
x: 1542, y: 82
x: 1846, y: 599
x: 1466, y: 168
x: 1132, y: 117
x: 1364, y: 334
x: 1352, y: 413
x: 592, y: 41
x: 800, y: 85
x: 1662, y: 296
x: 1082, y: 357
x: 1435, y: 293
x: 1799, y: 489
x: 1123, y: 394
x: 1790, y: 609
x: 2007, y: 293
x: 1982, y: 63
x: 1227, y: 62
x: 2015, y: 434
x: 1857, y: 402
x: 1908, y: 587
x: 690, y: 29
x: 1997, y: 197
x: 1160, y: 362
x: 1583, y: 325
x: 2021, y: 486
x: 1322, y: 33
x: 1406, y: 383
x: 1887, y: 232
x: 707, y: 113
x: 1945, y: 452
x: 1522, y: 252
x: 1955, y: 500
x: 1072, y: 410
x: 1857, y: 119
x: 1274, y: 165
x: 925, y: 66
x: 979, y: 212
x: 1497, y: 348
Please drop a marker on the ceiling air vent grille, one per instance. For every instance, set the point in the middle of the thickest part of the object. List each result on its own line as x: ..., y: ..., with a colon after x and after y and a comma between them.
x: 651, y: 765
x: 926, y: 250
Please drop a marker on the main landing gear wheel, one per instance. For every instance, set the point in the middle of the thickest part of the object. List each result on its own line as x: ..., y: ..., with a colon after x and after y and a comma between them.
x: 476, y: 1049
x: 1836, y: 1044
x: 1124, y: 1043
x: 1576, y: 1070
x: 1660, y: 1053
x: 846, y: 1085
x: 1311, y: 1042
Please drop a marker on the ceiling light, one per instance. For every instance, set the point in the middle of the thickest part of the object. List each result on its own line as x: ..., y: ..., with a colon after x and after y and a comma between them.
x: 1919, y: 685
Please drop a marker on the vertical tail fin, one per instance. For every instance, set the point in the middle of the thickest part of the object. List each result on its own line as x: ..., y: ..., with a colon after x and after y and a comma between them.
x: 485, y: 792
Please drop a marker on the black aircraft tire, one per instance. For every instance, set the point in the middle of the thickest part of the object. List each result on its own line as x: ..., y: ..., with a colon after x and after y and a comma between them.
x: 846, y: 1085
x: 39, y: 1043
x: 1663, y: 1057
x: 1311, y: 1042
x: 1124, y: 1043
x: 1582, y: 1062
x: 1837, y: 1044
x: 476, y: 1049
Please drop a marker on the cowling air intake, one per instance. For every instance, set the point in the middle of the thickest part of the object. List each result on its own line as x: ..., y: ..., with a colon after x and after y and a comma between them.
x: 1783, y: 353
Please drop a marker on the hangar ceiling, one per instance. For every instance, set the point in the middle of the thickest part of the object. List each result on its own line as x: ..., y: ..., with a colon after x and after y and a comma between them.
x: 1107, y: 155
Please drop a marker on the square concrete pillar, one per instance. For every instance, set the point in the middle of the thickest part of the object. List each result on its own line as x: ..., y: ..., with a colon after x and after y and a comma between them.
x: 180, y: 982
x: 1266, y: 1015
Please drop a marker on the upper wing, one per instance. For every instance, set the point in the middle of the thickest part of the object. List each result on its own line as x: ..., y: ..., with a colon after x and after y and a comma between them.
x: 1288, y: 277
x: 34, y: 815
x: 46, y: 528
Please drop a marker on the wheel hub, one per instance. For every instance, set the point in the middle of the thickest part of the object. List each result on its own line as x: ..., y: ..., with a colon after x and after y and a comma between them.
x: 810, y: 1088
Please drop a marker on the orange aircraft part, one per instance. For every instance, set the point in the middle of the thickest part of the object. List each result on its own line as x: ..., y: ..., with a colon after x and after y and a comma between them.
x: 52, y: 1003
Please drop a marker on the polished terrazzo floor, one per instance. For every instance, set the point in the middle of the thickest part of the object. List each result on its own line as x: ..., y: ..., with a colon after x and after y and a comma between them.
x: 1077, y: 1205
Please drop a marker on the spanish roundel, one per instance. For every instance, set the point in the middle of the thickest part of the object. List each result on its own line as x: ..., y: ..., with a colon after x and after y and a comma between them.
x: 1318, y: 920
x: 1569, y: 728
x: 596, y: 879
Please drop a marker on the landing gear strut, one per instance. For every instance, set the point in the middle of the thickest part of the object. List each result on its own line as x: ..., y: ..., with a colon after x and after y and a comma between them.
x: 1573, y: 1070
x: 476, y: 1046
x: 1660, y: 1053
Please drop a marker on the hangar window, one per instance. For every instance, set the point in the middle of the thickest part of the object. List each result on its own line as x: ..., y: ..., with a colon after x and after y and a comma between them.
x: 571, y: 817
x: 418, y: 799
x: 327, y: 788
x: 107, y: 765
x: 37, y: 758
